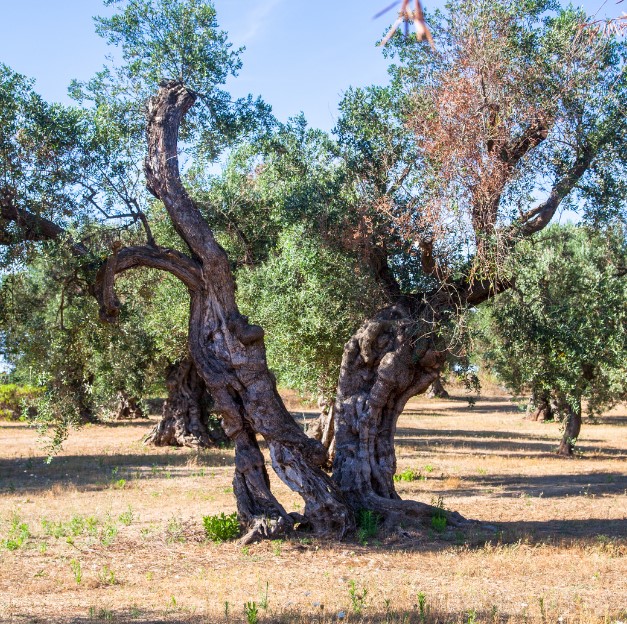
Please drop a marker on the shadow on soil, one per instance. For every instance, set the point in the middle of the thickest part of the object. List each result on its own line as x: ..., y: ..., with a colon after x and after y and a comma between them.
x: 545, y: 486
x: 99, y: 472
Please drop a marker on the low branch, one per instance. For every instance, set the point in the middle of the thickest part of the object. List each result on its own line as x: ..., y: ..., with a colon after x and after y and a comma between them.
x: 170, y: 260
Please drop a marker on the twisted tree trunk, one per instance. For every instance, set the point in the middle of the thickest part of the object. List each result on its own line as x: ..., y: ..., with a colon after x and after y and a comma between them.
x: 572, y: 427
x: 540, y: 407
x: 323, y: 430
x: 186, y: 419
x: 128, y: 407
x: 384, y: 365
x: 228, y: 353
x: 437, y: 389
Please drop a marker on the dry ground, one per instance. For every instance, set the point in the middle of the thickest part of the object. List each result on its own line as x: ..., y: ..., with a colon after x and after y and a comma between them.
x: 112, y: 531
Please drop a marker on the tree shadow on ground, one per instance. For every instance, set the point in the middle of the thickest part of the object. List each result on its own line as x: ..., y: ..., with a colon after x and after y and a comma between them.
x: 478, y: 442
x: 538, y: 486
x: 596, y: 529
x: 97, y: 472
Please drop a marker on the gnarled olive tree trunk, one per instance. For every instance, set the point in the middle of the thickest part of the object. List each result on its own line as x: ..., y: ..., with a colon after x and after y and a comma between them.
x: 540, y: 407
x: 323, y: 430
x: 572, y: 426
x: 186, y: 419
x: 228, y: 352
x: 387, y: 362
x: 127, y: 407
x: 437, y: 389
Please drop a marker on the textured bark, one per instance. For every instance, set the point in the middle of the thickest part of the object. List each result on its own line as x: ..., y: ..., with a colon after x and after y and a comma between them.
x: 572, y: 427
x: 540, y: 408
x: 323, y: 430
x: 186, y: 419
x: 128, y: 407
x: 228, y: 353
x: 386, y: 363
x: 437, y: 390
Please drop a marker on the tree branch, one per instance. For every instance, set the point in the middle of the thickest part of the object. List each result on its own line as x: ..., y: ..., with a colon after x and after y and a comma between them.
x: 166, y: 111
x: 540, y: 216
x: 32, y: 227
x: 170, y: 260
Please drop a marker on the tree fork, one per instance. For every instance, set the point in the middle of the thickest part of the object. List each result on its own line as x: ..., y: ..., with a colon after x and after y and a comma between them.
x: 229, y: 353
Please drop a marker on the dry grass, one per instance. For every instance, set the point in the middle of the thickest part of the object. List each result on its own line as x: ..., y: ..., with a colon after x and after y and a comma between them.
x: 559, y: 556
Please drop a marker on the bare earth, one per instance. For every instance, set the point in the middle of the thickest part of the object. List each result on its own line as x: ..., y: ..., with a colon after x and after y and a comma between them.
x: 112, y: 530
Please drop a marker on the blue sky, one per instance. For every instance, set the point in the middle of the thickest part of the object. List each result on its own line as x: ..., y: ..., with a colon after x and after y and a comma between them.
x: 300, y: 55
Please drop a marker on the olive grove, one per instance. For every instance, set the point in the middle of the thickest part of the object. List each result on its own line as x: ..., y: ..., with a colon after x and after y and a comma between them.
x: 425, y: 189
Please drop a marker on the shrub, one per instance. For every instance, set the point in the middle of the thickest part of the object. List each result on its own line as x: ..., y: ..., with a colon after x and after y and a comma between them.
x: 221, y: 527
x: 14, y: 398
x: 408, y: 475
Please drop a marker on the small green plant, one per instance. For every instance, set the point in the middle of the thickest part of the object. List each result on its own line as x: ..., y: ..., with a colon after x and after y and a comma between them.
x: 276, y: 547
x: 175, y: 531
x: 252, y: 612
x: 358, y: 597
x: 472, y: 617
x: 18, y: 534
x: 76, y: 525
x: 263, y: 601
x: 107, y: 576
x: 226, y: 610
x: 409, y: 474
x: 221, y: 528
x: 77, y: 570
x: 422, y: 607
x: 368, y: 523
x: 438, y: 519
x: 109, y: 532
x: 126, y: 517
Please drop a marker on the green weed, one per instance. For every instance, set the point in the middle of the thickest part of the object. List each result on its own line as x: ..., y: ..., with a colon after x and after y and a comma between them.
x: 221, y: 528
x: 18, y: 534
x: 368, y: 523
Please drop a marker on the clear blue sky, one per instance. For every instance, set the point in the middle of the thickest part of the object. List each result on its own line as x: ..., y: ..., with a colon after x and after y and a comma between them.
x: 300, y: 55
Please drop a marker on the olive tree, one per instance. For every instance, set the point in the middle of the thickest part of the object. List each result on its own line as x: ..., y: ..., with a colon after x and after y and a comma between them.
x: 560, y: 332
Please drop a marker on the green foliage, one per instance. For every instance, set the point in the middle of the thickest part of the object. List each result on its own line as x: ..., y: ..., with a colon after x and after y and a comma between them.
x: 18, y: 534
x: 409, y: 474
x: 357, y: 596
x: 221, y: 528
x: 562, y: 329
x: 14, y: 397
x: 170, y: 40
x: 368, y: 523
x: 309, y: 300
x: 438, y: 519
x: 252, y: 612
x: 77, y: 570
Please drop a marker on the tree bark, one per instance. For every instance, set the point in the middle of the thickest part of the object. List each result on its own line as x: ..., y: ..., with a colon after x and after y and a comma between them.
x: 228, y: 353
x: 386, y: 363
x: 128, y: 407
x: 572, y: 427
x: 540, y: 407
x: 186, y: 418
x: 437, y: 389
x: 323, y: 430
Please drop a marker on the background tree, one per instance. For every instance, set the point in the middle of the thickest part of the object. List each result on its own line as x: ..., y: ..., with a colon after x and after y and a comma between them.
x: 560, y: 332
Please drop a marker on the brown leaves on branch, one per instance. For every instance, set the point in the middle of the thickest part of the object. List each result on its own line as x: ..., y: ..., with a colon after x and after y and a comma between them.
x: 407, y: 15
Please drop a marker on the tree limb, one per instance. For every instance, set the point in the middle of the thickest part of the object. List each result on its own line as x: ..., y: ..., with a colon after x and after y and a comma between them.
x: 170, y: 260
